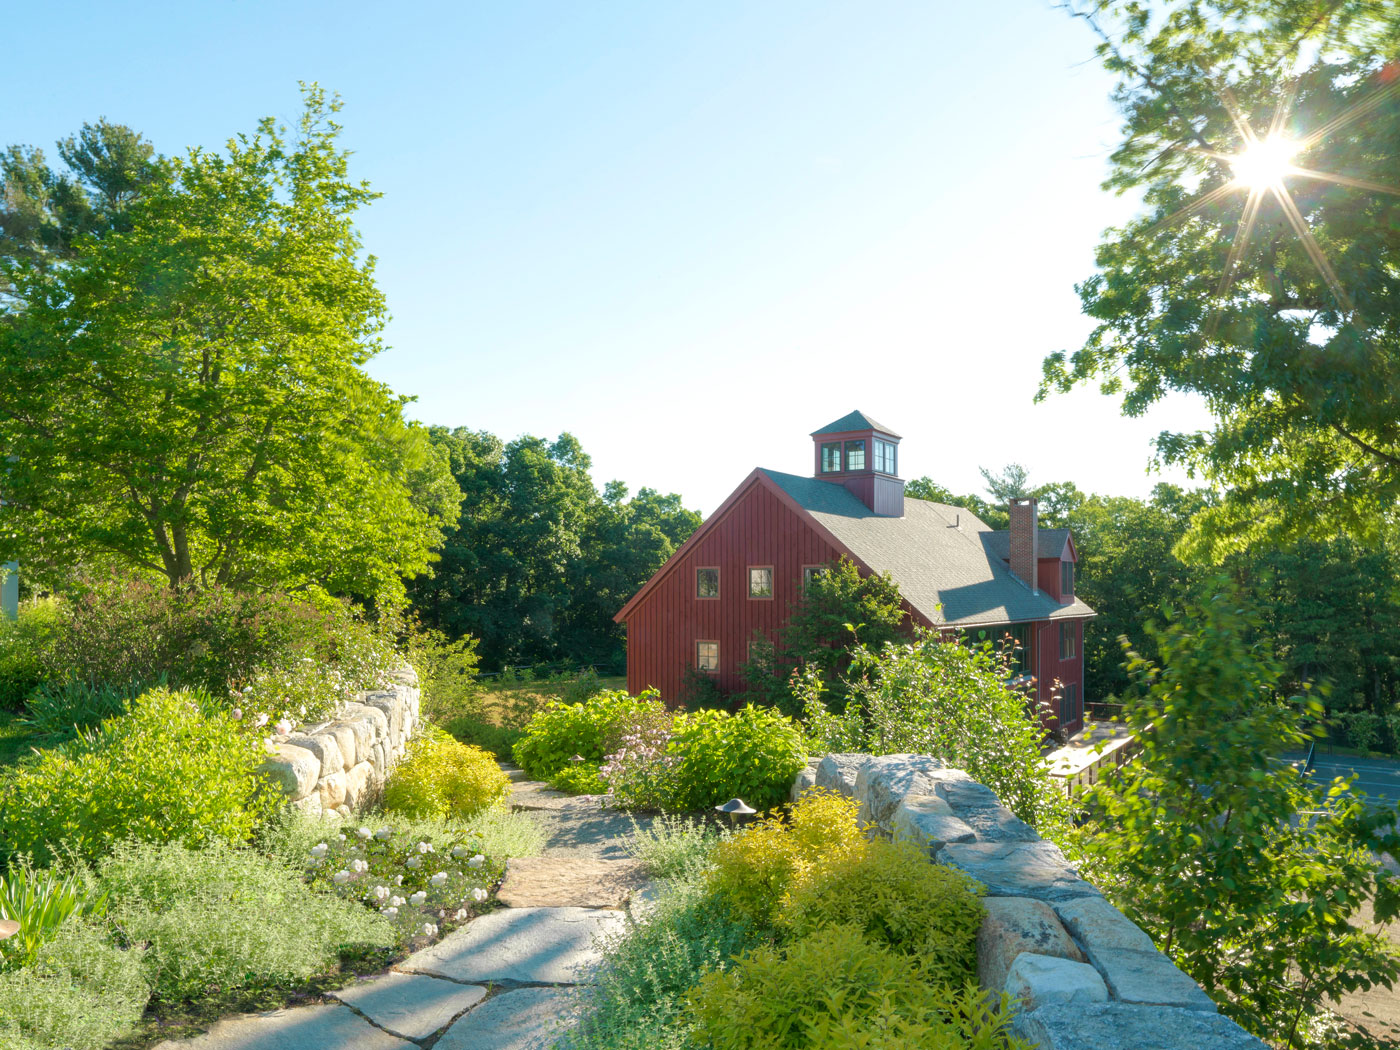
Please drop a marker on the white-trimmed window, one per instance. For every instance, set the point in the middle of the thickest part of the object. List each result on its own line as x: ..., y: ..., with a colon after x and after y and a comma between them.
x: 855, y: 455
x: 885, y: 457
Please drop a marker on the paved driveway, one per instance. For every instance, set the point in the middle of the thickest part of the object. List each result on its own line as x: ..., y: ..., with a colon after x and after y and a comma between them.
x: 1378, y: 777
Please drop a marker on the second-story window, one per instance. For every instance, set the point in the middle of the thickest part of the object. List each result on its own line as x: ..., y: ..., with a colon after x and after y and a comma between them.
x: 831, y: 457
x: 761, y: 582
x: 810, y: 573
x: 1066, y: 580
x: 855, y: 455
x: 1066, y: 640
x: 707, y: 583
x: 884, y: 457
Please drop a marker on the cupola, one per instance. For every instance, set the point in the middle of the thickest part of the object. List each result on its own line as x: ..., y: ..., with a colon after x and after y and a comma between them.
x: 858, y: 453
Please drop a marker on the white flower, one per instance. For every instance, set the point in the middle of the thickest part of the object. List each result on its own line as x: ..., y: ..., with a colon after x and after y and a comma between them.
x: 247, y: 688
x: 341, y: 877
x: 398, y: 880
x: 417, y: 899
x: 283, y: 727
x: 389, y: 912
x: 414, y: 862
x: 425, y: 847
x: 342, y: 836
x: 440, y: 879
x: 429, y: 929
x: 396, y: 900
x: 460, y: 851
x: 260, y: 721
x: 381, y: 893
x: 237, y: 713
x: 478, y: 894
x: 320, y: 850
x: 460, y: 914
x: 358, y: 866
x: 476, y: 861
x: 383, y: 834
x: 365, y: 833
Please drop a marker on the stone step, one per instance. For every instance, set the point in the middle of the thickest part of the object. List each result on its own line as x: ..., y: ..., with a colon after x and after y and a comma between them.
x: 570, y: 882
x: 515, y: 773
x: 521, y: 946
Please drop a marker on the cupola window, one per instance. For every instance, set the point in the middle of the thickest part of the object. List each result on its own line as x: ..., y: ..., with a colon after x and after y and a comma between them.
x: 855, y: 455
x: 884, y: 457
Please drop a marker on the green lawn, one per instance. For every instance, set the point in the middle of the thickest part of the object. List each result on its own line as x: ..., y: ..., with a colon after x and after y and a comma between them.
x: 15, y: 738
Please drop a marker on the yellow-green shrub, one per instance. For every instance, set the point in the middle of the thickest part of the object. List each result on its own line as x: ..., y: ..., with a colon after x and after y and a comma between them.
x: 896, y: 897
x: 176, y: 769
x: 441, y: 777
x: 754, y: 870
x: 836, y: 989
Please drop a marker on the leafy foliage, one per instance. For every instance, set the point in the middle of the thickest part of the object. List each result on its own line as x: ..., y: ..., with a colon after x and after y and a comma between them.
x: 561, y: 731
x: 538, y: 561
x: 673, y: 847
x: 755, y: 869
x: 56, y: 708
x: 638, y: 1002
x: 579, y: 778
x: 891, y: 893
x: 942, y: 698
x: 221, y: 918
x: 42, y: 902
x: 25, y: 645
x: 835, y: 988
x: 1296, y: 368
x: 176, y: 769
x: 753, y: 754
x: 440, y: 777
x: 839, y: 609
x: 1249, y: 878
x: 80, y: 991
x: 226, y: 444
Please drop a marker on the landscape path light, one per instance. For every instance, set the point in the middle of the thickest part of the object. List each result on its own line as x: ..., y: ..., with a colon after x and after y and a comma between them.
x: 734, y: 809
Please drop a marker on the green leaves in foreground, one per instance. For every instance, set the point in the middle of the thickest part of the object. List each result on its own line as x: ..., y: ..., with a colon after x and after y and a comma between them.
x: 1249, y: 877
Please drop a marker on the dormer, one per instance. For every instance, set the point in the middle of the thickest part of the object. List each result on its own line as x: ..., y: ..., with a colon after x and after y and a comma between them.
x: 862, y: 456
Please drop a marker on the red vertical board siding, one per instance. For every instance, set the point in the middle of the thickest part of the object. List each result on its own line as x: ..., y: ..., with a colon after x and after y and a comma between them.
x: 758, y: 530
x: 1049, y: 666
x: 1047, y: 576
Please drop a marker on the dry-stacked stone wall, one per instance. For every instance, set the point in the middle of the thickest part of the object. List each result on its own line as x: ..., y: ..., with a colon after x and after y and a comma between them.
x: 1085, y: 976
x: 334, y: 768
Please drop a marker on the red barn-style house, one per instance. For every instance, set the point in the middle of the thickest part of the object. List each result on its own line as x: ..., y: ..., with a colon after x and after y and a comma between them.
x: 747, y: 564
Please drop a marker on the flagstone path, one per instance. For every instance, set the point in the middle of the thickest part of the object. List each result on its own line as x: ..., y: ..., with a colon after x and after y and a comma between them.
x: 508, y: 980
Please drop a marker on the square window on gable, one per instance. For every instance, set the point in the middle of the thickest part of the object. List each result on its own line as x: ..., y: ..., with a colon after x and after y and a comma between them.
x: 707, y: 583
x: 761, y: 582
x: 831, y: 457
x: 707, y: 656
x: 855, y: 455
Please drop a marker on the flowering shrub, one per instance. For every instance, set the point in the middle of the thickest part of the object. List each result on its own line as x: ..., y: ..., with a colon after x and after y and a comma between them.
x: 220, y: 918
x: 554, y: 736
x: 176, y: 769
x: 415, y: 878
x: 640, y: 774
x: 440, y: 776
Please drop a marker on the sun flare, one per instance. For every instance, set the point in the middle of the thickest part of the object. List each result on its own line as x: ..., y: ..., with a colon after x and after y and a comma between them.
x: 1264, y: 162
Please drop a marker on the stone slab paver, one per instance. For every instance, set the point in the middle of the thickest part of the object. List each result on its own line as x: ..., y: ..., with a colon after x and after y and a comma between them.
x: 523, y: 1019
x: 328, y: 1027
x: 409, y: 1004
x: 569, y: 882
x: 520, y: 945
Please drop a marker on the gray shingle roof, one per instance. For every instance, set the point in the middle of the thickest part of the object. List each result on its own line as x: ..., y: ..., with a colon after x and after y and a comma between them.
x: 1052, y: 542
x: 853, y: 421
x: 940, y: 556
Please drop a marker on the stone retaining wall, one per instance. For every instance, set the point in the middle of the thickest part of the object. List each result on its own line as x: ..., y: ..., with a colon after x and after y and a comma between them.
x: 333, y: 768
x: 1085, y: 975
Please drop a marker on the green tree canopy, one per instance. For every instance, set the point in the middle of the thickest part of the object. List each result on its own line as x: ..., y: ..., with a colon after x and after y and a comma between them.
x: 1279, y: 309
x: 1249, y: 878
x: 184, y: 390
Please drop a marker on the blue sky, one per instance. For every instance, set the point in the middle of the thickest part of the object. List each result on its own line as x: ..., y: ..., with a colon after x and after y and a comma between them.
x: 688, y: 233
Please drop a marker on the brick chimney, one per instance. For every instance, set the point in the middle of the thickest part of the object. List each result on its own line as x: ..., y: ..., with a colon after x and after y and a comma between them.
x: 1025, y: 540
